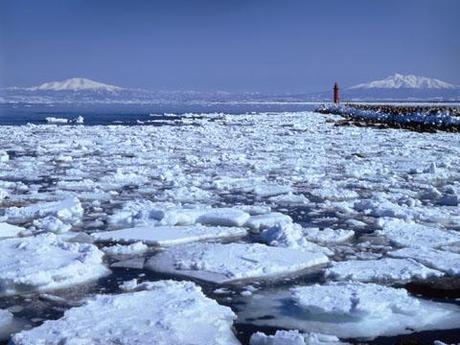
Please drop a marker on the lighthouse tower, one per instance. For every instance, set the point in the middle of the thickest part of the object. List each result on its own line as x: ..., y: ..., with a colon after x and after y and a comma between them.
x: 336, y: 93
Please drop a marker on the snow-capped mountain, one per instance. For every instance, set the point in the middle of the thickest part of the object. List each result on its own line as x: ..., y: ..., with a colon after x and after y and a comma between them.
x: 399, y: 87
x: 75, y: 84
x: 82, y: 90
x: 410, y: 81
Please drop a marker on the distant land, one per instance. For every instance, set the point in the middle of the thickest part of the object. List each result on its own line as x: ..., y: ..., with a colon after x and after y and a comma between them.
x: 396, y: 87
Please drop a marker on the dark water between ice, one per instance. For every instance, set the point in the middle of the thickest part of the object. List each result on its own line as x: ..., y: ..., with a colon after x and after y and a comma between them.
x: 130, y: 114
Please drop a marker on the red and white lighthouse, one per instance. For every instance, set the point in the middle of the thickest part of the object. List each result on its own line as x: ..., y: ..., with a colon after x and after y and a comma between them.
x: 336, y: 93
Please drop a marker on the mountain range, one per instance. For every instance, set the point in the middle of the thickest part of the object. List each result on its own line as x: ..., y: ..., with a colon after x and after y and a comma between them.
x: 396, y: 87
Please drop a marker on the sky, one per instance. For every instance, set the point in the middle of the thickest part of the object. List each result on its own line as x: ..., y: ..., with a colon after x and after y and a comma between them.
x: 232, y: 45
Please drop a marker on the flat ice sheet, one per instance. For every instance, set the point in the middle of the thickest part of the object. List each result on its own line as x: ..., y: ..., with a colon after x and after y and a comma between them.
x: 382, y: 270
x: 223, y: 263
x: 438, y: 259
x: 168, y: 235
x: 348, y: 310
x: 409, y: 234
x: 45, y: 262
x: 168, y: 313
x: 9, y: 230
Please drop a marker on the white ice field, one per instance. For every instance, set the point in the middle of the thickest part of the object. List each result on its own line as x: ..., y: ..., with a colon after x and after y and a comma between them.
x: 284, y: 219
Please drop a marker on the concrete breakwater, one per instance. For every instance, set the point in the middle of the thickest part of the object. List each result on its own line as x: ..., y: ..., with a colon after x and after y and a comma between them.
x: 421, y: 118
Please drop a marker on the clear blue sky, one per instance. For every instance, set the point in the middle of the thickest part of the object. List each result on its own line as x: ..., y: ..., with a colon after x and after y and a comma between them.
x: 235, y: 45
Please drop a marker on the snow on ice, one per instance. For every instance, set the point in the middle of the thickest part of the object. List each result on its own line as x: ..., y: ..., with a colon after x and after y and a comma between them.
x: 169, y: 235
x: 167, y: 313
x: 45, y: 262
x: 294, y: 338
x: 68, y: 210
x: 383, y: 270
x: 349, y: 310
x: 223, y: 263
x: 437, y: 259
x: 8, y: 230
x: 299, y: 184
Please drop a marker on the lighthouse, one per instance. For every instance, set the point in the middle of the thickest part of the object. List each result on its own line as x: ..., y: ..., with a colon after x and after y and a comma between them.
x: 336, y: 93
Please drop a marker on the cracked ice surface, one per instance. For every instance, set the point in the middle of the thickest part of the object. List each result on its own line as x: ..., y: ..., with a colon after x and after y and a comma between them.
x: 167, y: 313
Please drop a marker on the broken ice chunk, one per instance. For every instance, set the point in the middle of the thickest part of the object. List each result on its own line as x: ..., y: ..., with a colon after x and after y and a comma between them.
x: 289, y: 235
x: 68, y: 210
x: 168, y: 312
x: 168, y: 235
x: 328, y: 235
x: 264, y: 221
x: 224, y: 217
x: 438, y: 259
x: 294, y: 338
x: 348, y: 310
x: 383, y: 270
x: 51, y: 224
x: 45, y: 262
x: 222, y: 263
x: 8, y: 230
x: 409, y: 234
x: 134, y: 248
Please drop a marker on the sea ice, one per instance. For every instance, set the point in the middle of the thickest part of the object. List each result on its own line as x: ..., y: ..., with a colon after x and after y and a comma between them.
x: 289, y: 235
x: 294, y: 338
x: 169, y: 312
x: 224, y: 217
x: 68, y: 210
x: 264, y: 221
x: 45, y: 262
x: 8, y: 230
x: 51, y: 224
x: 168, y: 235
x: 328, y: 235
x: 438, y: 259
x: 223, y: 263
x: 134, y: 248
x: 383, y: 270
x: 4, y: 157
x: 56, y: 120
x: 6, y: 318
x: 348, y: 310
x: 144, y: 213
x: 408, y: 234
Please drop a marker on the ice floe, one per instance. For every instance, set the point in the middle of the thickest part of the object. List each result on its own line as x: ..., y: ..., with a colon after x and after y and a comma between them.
x: 6, y: 320
x: 264, y: 221
x: 409, y: 234
x: 169, y: 235
x: 383, y: 270
x: 223, y: 263
x: 134, y: 248
x: 328, y: 235
x: 294, y: 338
x: 289, y: 235
x: 437, y: 259
x: 167, y: 313
x: 349, y: 310
x: 9, y: 230
x: 68, y: 210
x: 143, y: 213
x: 45, y: 262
